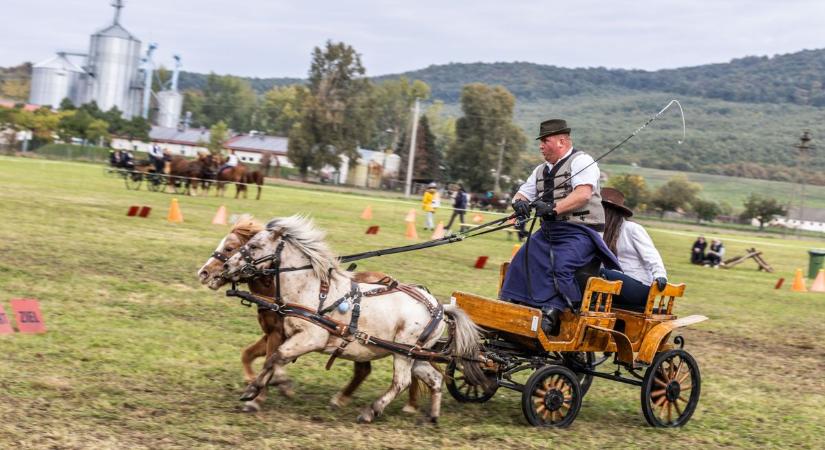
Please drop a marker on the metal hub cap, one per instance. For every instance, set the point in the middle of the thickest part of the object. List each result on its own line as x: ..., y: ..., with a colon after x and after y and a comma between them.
x: 673, y: 390
x: 553, y: 400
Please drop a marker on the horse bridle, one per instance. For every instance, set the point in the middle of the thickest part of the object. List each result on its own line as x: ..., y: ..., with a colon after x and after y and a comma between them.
x: 250, y: 269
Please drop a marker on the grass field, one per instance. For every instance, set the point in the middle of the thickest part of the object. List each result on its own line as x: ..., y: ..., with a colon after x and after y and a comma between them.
x: 139, y: 355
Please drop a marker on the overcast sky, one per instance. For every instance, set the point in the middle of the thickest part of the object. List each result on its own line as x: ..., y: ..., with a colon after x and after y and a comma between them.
x: 274, y: 38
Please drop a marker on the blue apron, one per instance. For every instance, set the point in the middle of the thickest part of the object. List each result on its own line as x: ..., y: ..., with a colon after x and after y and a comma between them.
x: 574, y: 246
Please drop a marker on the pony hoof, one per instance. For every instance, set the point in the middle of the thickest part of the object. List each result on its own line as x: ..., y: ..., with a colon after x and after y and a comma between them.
x: 250, y: 393
x: 367, y: 416
x: 287, y: 392
x: 251, y: 408
x: 338, y: 401
x: 409, y: 409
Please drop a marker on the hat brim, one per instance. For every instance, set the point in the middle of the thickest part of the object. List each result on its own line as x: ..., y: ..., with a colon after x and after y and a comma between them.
x: 622, y: 209
x: 553, y: 133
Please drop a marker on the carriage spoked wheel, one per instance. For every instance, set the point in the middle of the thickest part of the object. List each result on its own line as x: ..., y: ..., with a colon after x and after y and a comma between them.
x: 576, y: 361
x: 552, y: 397
x: 670, y: 389
x: 179, y: 185
x: 154, y: 182
x: 133, y: 180
x: 465, y: 392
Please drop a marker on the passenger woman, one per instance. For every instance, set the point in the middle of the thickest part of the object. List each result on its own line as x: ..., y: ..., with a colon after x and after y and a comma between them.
x: 641, y: 262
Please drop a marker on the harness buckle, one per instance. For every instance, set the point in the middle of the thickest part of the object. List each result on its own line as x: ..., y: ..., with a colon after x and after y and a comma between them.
x: 362, y: 337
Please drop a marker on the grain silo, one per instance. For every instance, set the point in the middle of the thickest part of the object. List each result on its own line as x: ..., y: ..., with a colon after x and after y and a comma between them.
x: 55, y: 79
x: 170, y: 101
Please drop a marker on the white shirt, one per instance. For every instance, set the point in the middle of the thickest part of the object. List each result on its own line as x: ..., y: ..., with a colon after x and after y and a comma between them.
x: 232, y: 160
x: 637, y: 254
x: 156, y: 151
x: 590, y: 175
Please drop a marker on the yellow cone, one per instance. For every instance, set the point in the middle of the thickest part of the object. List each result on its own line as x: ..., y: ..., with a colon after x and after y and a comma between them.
x: 174, y: 215
x: 819, y: 282
x: 220, y: 216
x: 367, y: 214
x: 411, y: 233
x: 798, y: 282
x: 478, y: 218
x: 410, y: 216
x: 439, y: 231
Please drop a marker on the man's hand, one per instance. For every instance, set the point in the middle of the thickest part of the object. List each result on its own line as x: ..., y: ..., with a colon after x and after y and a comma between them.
x: 661, y: 283
x: 545, y: 210
x: 522, y: 209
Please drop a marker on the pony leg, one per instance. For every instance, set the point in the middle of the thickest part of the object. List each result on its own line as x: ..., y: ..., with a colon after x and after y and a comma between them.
x: 251, y: 353
x: 279, y: 376
x: 298, y: 344
x: 412, y: 402
x: 401, y: 377
x: 430, y: 376
x: 361, y: 370
x: 258, y: 197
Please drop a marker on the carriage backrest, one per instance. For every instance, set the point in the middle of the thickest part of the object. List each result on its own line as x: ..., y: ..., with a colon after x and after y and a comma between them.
x: 662, y: 301
x: 598, y: 294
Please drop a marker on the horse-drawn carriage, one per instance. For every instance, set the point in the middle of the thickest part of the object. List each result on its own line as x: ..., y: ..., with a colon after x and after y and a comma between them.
x: 565, y: 364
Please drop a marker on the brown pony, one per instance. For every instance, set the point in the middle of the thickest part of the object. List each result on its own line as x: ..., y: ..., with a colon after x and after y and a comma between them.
x: 235, y: 175
x: 254, y: 177
x: 273, y: 327
x: 191, y: 172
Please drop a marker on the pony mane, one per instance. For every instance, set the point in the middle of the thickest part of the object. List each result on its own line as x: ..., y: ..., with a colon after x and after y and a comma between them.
x: 246, y: 227
x: 300, y: 231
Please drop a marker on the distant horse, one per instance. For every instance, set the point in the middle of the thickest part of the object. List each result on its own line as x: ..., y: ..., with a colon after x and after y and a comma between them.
x: 191, y: 172
x: 272, y: 323
x: 254, y: 177
x: 401, y: 315
x: 230, y: 175
x: 490, y: 201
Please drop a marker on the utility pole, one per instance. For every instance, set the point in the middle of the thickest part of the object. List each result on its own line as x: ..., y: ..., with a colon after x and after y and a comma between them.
x: 498, y: 167
x: 805, y: 150
x: 411, y: 156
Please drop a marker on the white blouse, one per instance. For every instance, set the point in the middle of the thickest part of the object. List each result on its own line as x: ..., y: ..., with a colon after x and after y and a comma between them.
x: 637, y: 254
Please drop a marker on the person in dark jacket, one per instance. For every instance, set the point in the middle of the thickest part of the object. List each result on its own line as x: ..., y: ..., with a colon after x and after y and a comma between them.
x: 697, y: 254
x: 459, y: 206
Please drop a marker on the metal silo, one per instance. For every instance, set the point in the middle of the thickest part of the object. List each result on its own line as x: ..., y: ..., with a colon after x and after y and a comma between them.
x: 170, y: 102
x: 114, y: 55
x: 53, y: 80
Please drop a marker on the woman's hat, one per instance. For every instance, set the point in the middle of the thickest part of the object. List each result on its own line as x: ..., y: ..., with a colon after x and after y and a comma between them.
x: 613, y: 198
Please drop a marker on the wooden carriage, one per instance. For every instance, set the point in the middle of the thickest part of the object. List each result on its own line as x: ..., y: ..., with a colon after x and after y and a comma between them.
x: 565, y: 363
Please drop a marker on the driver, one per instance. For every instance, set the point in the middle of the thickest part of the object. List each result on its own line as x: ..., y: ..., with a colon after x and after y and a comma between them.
x: 231, y: 161
x: 565, y: 189
x: 156, y: 158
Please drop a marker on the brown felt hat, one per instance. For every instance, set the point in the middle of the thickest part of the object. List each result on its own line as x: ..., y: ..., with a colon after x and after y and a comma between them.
x: 553, y: 126
x: 613, y: 198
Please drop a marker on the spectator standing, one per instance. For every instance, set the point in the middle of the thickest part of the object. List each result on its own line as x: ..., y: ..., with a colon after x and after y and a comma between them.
x: 459, y: 206
x: 428, y: 204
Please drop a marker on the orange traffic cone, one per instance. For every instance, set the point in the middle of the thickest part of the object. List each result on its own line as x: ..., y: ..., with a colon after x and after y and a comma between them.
x: 367, y: 214
x: 174, y: 215
x: 478, y: 218
x: 439, y: 231
x: 515, y: 250
x: 819, y: 282
x: 798, y: 282
x: 411, y: 233
x: 220, y: 216
x: 410, y: 216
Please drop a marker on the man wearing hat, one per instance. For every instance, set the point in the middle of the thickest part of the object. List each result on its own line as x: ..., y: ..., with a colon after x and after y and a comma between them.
x: 564, y: 190
x: 641, y: 262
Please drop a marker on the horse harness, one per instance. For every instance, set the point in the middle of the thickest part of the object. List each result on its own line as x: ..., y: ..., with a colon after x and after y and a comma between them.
x: 348, y: 332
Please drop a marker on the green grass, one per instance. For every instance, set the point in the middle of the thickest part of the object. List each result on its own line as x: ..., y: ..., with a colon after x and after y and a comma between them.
x: 139, y: 355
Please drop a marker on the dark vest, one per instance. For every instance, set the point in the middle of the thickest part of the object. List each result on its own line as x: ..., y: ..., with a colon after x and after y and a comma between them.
x: 591, y: 214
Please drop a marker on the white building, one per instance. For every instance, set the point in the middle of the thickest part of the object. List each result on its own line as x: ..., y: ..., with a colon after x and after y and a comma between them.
x: 251, y: 147
x: 812, y: 219
x: 185, y: 142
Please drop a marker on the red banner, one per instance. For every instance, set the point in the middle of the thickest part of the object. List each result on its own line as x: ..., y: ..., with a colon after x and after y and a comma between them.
x: 5, y: 325
x: 28, y: 316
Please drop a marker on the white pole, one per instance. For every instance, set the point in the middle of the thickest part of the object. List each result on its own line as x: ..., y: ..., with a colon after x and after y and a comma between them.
x: 408, y: 184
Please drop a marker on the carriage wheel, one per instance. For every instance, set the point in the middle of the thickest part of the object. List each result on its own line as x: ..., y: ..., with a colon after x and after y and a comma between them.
x: 576, y: 361
x: 552, y: 397
x: 133, y: 180
x: 154, y: 182
x: 465, y: 392
x: 178, y: 185
x: 670, y: 390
